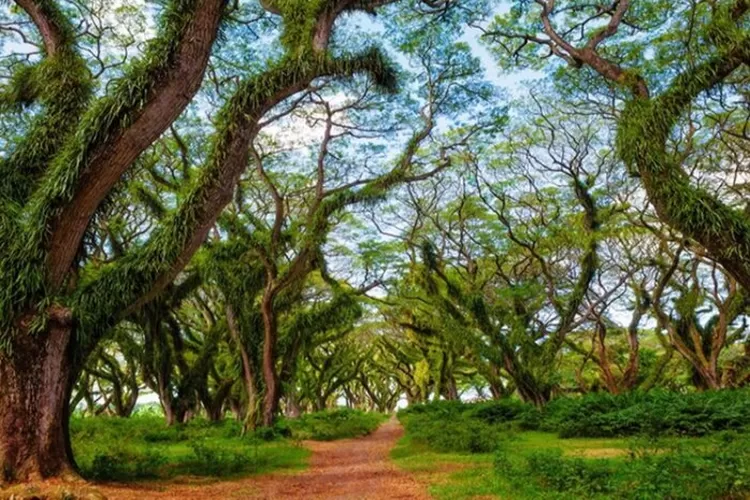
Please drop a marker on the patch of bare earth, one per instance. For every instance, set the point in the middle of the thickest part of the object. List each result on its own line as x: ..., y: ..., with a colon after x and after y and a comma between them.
x: 347, y: 469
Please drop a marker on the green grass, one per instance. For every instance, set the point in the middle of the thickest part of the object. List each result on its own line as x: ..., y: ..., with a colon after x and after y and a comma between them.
x: 450, y: 475
x: 659, y: 473
x: 143, y: 447
x: 468, y: 475
x: 461, y: 454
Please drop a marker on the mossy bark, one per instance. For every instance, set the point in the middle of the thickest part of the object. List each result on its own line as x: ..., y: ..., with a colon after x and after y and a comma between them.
x: 35, y: 381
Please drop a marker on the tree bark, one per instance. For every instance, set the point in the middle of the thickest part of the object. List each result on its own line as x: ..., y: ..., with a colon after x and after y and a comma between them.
x: 271, y: 399
x: 605, y: 368
x: 111, y: 159
x: 451, y: 389
x: 248, y: 371
x: 35, y: 383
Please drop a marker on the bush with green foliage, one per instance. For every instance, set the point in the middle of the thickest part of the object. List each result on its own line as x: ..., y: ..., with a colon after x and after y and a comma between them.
x: 328, y: 425
x: 143, y: 447
x: 656, y: 413
x: 718, y: 469
x: 554, y: 472
x: 452, y: 426
x: 490, y: 412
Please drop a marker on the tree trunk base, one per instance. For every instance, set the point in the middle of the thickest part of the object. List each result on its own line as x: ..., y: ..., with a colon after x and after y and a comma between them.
x: 35, y: 380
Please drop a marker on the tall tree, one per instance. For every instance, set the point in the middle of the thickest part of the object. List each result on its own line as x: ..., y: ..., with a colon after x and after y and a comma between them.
x: 707, y: 46
x: 54, y: 306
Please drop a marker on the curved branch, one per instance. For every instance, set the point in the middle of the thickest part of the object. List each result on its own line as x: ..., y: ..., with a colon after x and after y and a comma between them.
x: 142, y: 275
x: 121, y: 126
x: 53, y: 28
x: 643, y: 132
x: 60, y: 83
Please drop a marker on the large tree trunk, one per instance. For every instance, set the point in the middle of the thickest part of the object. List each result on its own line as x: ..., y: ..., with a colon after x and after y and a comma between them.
x: 165, y: 400
x: 529, y: 388
x: 451, y: 389
x: 35, y: 384
x: 271, y: 399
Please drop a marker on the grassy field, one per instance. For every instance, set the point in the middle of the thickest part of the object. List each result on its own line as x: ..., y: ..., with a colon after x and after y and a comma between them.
x: 497, y: 458
x: 464, y: 475
x: 143, y: 447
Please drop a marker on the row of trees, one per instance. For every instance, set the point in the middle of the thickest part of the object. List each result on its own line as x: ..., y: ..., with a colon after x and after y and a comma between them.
x: 247, y: 206
x: 544, y: 268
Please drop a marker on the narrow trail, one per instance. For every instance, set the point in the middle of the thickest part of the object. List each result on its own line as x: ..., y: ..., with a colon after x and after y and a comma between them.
x: 351, y: 469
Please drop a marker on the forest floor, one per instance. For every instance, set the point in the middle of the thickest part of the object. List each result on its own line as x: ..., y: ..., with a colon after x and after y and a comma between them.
x: 346, y: 469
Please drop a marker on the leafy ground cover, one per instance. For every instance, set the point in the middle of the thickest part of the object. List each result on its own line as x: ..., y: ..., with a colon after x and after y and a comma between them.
x: 143, y: 447
x: 462, y: 453
x: 328, y: 425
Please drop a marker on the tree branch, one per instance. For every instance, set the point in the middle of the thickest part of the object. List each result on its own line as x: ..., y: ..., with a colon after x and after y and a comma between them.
x: 121, y: 126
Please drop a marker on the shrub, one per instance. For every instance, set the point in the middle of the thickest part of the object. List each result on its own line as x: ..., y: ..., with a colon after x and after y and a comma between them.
x: 121, y: 464
x: 340, y: 423
x: 216, y: 461
x: 530, y: 419
x: 435, y: 410
x: 499, y: 411
x: 141, y: 447
x: 655, y: 413
x: 719, y: 470
x: 572, y: 475
x: 165, y: 435
x: 450, y: 426
x: 460, y: 435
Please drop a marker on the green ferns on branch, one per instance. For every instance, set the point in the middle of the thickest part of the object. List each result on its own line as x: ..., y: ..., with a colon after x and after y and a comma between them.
x: 183, y: 231
x: 100, y: 297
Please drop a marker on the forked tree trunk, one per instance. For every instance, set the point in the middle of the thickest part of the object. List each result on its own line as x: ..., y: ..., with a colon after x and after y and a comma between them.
x: 529, y: 388
x: 451, y: 389
x: 605, y: 368
x: 34, y: 391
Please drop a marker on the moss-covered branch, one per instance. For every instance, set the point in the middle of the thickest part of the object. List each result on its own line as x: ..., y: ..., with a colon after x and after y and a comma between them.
x: 60, y: 83
x: 141, y: 275
x: 42, y: 238
x: 643, y: 131
x: 118, y: 127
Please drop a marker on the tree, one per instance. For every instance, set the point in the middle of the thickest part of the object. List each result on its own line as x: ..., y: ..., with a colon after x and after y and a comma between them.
x: 510, y: 256
x: 612, y: 39
x: 55, y: 304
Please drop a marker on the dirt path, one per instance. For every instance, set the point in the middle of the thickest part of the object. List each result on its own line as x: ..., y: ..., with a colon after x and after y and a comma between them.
x: 349, y: 469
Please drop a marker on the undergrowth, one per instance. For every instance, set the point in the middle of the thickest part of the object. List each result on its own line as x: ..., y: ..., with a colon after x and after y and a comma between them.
x: 656, y: 413
x: 143, y: 447
x: 658, y: 445
x: 328, y: 425
x: 678, y: 471
x: 596, y: 415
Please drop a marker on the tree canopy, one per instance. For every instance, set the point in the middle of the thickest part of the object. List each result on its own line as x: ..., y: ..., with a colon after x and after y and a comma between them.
x: 257, y: 208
